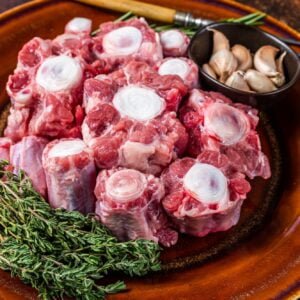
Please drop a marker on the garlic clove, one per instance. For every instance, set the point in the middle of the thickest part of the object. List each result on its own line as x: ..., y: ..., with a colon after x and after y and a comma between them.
x: 223, y: 63
x: 220, y: 41
x: 243, y: 56
x: 264, y: 60
x: 259, y: 82
x: 279, y: 79
x: 279, y: 62
x: 208, y: 70
x: 236, y: 80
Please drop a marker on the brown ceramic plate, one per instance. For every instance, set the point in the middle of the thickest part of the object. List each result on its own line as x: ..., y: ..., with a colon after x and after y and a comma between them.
x: 257, y: 259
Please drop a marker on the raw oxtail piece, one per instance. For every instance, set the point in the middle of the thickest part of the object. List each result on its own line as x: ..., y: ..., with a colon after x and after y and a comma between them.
x: 76, y: 41
x: 185, y: 68
x: 70, y: 175
x: 5, y: 144
x: 200, y: 197
x: 129, y: 204
x: 26, y: 155
x: 215, y: 123
x: 128, y: 122
x: 117, y: 42
x: 53, y: 108
x: 46, y: 88
x: 174, y: 43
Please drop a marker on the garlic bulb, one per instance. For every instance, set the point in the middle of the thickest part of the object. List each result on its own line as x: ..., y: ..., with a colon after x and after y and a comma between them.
x: 220, y: 41
x: 208, y: 70
x: 243, y: 56
x: 223, y: 63
x: 236, y: 80
x: 264, y: 60
x: 259, y: 82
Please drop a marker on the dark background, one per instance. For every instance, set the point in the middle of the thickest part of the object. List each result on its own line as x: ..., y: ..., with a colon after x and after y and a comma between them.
x: 287, y: 11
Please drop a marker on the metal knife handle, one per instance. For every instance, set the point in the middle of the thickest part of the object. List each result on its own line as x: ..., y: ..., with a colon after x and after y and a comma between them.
x: 187, y: 19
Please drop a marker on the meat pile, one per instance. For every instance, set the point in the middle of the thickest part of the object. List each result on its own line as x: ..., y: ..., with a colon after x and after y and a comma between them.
x: 116, y: 125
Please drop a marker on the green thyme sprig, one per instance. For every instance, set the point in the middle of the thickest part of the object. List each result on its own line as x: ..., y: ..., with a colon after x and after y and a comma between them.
x: 254, y: 19
x: 60, y: 252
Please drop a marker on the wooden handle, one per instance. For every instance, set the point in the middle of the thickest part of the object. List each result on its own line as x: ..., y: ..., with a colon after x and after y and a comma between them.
x: 142, y: 9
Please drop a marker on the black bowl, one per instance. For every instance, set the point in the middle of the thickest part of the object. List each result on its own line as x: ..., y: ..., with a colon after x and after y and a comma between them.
x: 200, y: 50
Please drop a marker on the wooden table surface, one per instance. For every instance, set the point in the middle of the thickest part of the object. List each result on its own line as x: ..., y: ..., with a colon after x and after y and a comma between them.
x: 287, y: 11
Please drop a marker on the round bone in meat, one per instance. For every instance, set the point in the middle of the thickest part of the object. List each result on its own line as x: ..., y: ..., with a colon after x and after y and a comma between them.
x: 174, y: 42
x: 227, y: 122
x: 78, y: 25
x: 174, y: 66
x: 59, y: 73
x: 126, y: 185
x: 66, y: 148
x: 123, y: 41
x: 138, y: 103
x: 206, y: 183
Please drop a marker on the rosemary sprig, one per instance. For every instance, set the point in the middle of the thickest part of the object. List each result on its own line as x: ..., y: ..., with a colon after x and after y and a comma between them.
x: 254, y: 19
x: 59, y: 252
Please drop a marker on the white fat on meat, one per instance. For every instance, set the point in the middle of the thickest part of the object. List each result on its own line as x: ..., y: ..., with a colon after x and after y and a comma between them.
x: 227, y: 122
x: 136, y: 155
x: 126, y: 185
x: 174, y: 66
x: 67, y: 148
x: 207, y: 184
x: 59, y: 73
x: 79, y: 25
x: 138, y: 103
x: 122, y: 41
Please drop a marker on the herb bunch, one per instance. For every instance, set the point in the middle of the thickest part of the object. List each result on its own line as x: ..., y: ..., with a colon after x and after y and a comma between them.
x: 59, y: 252
x: 254, y: 19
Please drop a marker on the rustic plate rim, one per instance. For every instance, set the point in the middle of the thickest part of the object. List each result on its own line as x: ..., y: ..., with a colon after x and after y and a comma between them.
x: 12, y: 13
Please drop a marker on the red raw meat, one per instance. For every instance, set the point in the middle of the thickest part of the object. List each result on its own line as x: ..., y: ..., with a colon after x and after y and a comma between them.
x: 127, y: 122
x: 215, y: 123
x: 201, y: 198
x: 129, y: 204
x: 103, y: 88
x: 27, y: 155
x: 5, y: 144
x: 51, y: 118
x: 70, y: 175
x: 50, y: 105
x: 185, y: 68
x: 117, y: 42
x: 174, y: 43
x: 20, y: 85
x: 33, y: 53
